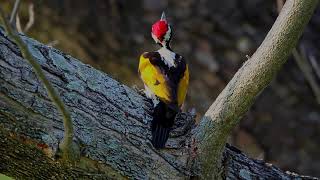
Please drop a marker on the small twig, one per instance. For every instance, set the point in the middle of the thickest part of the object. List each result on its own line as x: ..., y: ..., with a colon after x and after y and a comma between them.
x: 30, y: 22
x: 31, y: 18
x: 67, y: 146
x: 18, y: 24
x: 307, y: 71
x: 14, y: 12
x: 315, y: 65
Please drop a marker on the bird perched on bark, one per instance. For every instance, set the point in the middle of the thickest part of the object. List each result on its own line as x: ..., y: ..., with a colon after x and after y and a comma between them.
x: 165, y: 76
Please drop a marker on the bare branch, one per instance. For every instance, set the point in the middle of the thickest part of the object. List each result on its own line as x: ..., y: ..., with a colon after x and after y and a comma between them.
x: 240, y: 93
x: 31, y: 18
x: 308, y: 74
x: 14, y: 11
x: 315, y: 65
x: 18, y: 24
x: 30, y: 22
x: 67, y: 146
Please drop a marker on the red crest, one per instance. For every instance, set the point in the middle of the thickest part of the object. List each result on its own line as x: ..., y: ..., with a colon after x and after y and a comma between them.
x: 159, y: 29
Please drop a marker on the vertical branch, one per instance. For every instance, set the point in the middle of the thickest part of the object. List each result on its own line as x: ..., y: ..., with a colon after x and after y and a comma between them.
x: 31, y: 18
x: 67, y: 146
x: 14, y: 11
x: 237, y: 97
x: 30, y: 21
x: 18, y: 24
x: 315, y: 65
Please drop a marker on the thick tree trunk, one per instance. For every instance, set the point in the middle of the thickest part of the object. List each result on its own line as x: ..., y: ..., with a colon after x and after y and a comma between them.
x: 111, y: 123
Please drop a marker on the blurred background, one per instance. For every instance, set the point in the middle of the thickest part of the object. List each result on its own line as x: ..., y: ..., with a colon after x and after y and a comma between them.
x: 282, y: 127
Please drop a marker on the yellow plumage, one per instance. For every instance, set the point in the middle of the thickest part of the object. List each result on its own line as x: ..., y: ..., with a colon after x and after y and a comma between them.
x: 183, y: 86
x: 156, y: 82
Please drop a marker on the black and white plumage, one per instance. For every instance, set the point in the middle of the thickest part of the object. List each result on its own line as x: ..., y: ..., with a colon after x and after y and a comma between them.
x: 165, y: 75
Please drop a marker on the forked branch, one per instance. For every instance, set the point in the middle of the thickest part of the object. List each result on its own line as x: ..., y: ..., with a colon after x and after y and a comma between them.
x: 255, y: 74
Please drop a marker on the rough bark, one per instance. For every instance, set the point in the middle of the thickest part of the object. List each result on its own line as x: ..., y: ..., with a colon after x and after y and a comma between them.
x: 255, y: 74
x: 111, y: 123
x: 110, y: 119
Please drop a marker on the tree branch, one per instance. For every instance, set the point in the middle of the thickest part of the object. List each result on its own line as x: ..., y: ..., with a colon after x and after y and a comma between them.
x: 303, y: 64
x: 18, y: 24
x: 111, y: 124
x: 69, y: 149
x: 305, y: 68
x: 256, y: 73
x: 31, y: 18
x: 14, y: 12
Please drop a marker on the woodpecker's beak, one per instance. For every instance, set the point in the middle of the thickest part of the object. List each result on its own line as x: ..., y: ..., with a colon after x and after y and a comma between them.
x: 163, y: 17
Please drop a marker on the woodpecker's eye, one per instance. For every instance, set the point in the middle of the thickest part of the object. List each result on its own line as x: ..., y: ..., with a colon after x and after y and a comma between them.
x: 159, y: 29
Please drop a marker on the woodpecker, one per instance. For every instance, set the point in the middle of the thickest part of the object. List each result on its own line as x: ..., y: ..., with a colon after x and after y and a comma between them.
x: 165, y: 76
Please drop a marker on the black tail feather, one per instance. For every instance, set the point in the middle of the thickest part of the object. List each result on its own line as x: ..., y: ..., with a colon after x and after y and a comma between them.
x: 160, y: 136
x: 163, y: 120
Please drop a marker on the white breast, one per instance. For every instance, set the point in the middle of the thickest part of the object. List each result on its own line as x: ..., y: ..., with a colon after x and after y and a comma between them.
x: 168, y: 56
